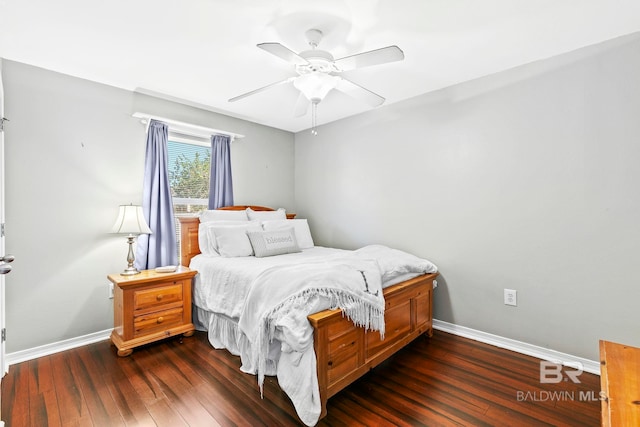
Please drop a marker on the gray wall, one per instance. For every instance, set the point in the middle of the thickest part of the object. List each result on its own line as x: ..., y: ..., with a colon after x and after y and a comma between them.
x: 527, y: 179
x: 73, y: 154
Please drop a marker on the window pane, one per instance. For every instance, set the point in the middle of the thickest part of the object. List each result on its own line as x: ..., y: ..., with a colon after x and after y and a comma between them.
x: 189, y: 167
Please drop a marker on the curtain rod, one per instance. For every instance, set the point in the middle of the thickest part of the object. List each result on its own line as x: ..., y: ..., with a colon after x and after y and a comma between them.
x: 185, y: 128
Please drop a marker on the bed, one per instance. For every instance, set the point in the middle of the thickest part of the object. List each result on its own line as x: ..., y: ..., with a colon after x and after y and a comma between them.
x: 341, y: 351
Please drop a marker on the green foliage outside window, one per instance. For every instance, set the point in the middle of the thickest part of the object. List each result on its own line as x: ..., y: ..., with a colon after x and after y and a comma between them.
x: 189, y: 178
x: 189, y: 168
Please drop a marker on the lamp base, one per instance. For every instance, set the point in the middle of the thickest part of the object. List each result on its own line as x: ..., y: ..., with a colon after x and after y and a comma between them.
x: 130, y: 271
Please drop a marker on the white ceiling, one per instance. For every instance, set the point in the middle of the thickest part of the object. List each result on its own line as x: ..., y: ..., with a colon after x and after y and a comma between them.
x: 203, y: 52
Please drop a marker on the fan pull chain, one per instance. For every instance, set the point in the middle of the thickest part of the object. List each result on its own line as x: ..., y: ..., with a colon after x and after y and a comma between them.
x: 314, y: 118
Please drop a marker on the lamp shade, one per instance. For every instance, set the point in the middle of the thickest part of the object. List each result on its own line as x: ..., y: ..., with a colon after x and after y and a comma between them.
x: 131, y: 221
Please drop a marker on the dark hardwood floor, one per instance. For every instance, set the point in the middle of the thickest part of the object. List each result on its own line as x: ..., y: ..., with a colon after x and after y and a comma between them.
x: 442, y: 381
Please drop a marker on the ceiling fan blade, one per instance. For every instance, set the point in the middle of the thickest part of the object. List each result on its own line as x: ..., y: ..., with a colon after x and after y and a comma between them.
x: 283, y: 52
x: 253, y: 92
x: 360, y: 93
x: 302, y: 105
x: 372, y: 57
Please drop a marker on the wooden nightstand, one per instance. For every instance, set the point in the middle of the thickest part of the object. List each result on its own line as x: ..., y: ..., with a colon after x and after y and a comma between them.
x: 150, y: 306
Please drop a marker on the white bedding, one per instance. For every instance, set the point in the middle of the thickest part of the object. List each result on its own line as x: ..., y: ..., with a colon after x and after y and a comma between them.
x: 223, y: 283
x: 275, y: 340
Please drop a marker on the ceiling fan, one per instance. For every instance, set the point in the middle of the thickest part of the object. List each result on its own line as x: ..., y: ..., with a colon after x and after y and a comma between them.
x: 318, y: 73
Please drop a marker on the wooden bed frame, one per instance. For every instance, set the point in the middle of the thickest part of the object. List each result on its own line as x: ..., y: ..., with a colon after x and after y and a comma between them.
x: 345, y: 352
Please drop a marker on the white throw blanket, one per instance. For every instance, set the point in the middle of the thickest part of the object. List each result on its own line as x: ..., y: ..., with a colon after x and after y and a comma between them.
x: 277, y: 306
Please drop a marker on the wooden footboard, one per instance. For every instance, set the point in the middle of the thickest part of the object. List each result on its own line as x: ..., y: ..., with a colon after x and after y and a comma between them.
x: 345, y: 352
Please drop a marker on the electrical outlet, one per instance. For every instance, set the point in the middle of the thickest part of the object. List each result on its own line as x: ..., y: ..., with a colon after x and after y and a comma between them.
x: 510, y: 297
x: 110, y: 291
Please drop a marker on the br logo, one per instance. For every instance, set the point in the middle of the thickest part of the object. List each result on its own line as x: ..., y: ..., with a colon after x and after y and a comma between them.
x: 552, y: 372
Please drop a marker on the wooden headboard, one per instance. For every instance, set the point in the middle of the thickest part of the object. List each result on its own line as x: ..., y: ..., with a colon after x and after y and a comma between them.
x: 189, y: 231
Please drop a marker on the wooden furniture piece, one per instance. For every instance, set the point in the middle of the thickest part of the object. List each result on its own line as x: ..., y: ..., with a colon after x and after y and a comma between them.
x: 344, y: 351
x: 150, y: 306
x: 620, y: 383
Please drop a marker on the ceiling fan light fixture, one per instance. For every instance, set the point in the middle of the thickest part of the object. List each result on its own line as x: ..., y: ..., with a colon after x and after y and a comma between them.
x: 319, y: 73
x: 315, y: 86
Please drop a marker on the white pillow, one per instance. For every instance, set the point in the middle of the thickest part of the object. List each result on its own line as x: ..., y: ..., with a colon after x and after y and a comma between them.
x: 278, y: 242
x: 266, y: 215
x: 207, y: 236
x: 300, y: 226
x: 233, y: 242
x: 223, y: 215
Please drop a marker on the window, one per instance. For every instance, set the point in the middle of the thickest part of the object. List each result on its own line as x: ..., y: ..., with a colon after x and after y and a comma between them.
x: 189, y: 165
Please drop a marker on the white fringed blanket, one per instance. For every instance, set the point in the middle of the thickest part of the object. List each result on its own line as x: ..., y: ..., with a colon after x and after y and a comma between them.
x: 276, y: 310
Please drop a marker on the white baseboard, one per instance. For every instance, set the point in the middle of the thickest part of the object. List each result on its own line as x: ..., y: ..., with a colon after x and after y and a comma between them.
x: 590, y: 366
x: 45, y: 350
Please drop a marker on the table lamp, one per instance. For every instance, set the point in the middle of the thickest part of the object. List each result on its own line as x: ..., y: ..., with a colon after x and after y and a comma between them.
x: 131, y: 222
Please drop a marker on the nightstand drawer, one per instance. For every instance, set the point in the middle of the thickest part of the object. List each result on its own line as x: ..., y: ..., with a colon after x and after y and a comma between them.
x: 157, y: 296
x: 157, y: 321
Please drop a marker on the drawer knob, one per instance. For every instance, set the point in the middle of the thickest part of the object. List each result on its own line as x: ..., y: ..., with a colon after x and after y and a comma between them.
x: 160, y: 319
x: 159, y: 297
